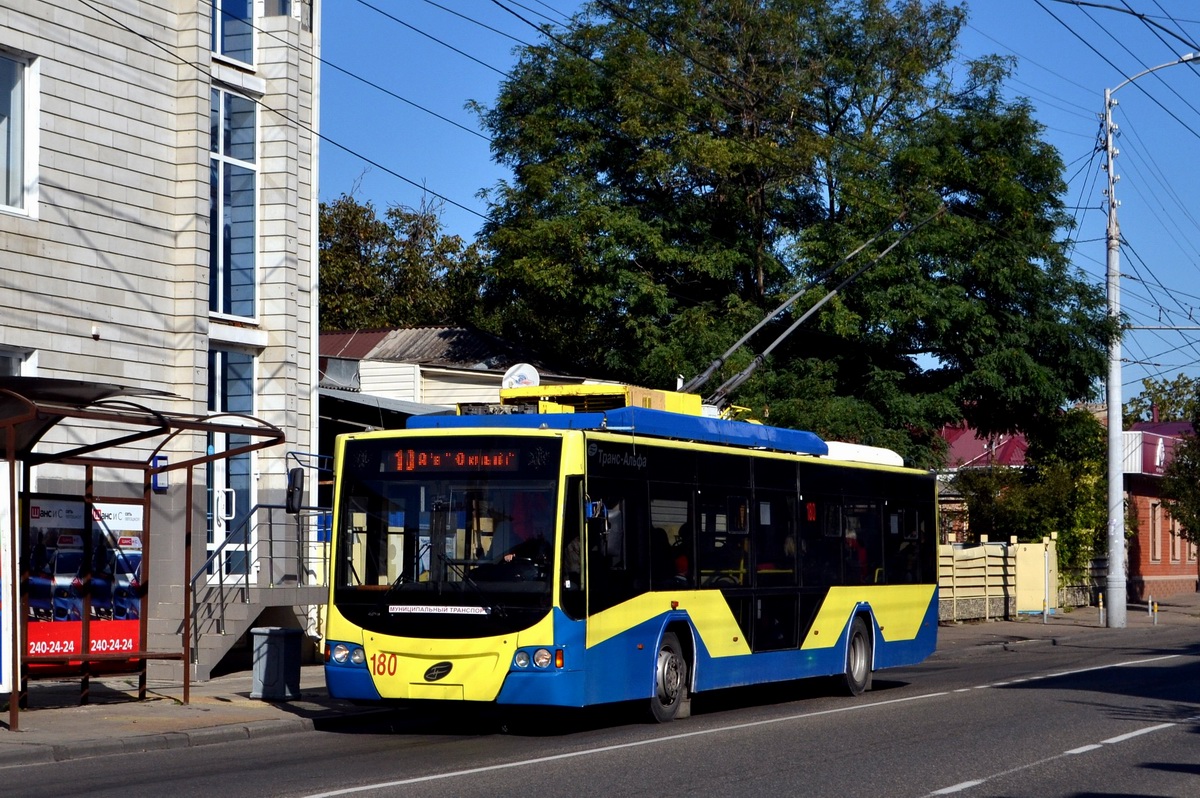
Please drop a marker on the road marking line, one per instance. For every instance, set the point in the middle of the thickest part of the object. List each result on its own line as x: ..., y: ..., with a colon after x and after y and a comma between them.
x: 1083, y: 749
x: 619, y: 746
x: 1107, y: 667
x: 1123, y: 737
x: 735, y: 727
x: 966, y: 785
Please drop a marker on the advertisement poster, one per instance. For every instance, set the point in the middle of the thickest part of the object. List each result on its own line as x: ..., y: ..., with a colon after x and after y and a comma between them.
x: 71, y: 557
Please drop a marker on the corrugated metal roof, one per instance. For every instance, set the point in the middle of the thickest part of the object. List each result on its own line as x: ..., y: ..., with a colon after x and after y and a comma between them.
x: 967, y: 450
x: 352, y: 345
x: 457, y: 347
x: 1169, y: 429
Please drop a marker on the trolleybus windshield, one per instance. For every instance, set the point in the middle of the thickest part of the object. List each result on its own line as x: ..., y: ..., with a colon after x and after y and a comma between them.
x: 437, y: 527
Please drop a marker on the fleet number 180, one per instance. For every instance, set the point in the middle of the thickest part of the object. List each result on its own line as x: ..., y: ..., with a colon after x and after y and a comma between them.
x: 383, y: 664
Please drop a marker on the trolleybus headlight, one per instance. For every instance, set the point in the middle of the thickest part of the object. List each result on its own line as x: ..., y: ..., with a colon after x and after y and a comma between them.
x: 341, y: 653
x: 541, y: 658
x: 521, y: 660
x: 357, y: 656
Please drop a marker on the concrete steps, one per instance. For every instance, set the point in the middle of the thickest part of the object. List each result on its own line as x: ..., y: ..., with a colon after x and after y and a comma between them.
x: 224, y: 618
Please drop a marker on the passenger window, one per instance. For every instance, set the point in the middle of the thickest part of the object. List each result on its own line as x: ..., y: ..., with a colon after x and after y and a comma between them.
x: 776, y: 545
x: 722, y: 542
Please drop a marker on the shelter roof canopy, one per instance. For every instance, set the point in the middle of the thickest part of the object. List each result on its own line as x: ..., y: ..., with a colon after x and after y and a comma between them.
x: 31, y: 406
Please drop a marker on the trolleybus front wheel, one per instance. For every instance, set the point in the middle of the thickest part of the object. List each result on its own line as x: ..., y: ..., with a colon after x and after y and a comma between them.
x: 858, y: 658
x: 670, y: 680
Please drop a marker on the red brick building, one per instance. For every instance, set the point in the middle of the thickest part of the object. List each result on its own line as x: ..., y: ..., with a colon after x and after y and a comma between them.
x: 1160, y: 562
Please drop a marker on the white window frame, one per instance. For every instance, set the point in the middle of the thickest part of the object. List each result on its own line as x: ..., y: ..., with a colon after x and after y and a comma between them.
x: 1156, y: 514
x: 26, y: 360
x: 250, y: 499
x: 218, y: 158
x: 1176, y: 541
x: 30, y: 134
x: 255, y: 12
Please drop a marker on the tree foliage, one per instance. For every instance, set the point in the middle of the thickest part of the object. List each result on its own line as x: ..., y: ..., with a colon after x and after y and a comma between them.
x: 1181, y: 480
x: 1165, y: 400
x: 1060, y: 490
x: 681, y: 166
x: 399, y: 270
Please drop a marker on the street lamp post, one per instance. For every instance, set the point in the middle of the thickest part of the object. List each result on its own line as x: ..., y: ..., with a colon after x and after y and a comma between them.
x: 1116, y: 583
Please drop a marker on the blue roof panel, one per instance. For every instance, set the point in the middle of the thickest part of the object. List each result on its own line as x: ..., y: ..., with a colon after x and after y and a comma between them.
x: 643, y: 421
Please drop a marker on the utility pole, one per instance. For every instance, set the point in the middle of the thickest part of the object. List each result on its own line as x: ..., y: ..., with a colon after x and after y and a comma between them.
x: 1115, y: 585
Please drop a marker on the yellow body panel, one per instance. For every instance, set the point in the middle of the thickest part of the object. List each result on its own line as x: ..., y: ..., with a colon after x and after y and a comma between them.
x: 597, y: 398
x: 479, y: 665
x: 899, y: 610
x: 708, y: 610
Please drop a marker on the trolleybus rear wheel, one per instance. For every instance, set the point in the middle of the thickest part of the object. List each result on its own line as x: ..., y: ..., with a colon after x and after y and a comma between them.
x: 670, y: 680
x: 858, y: 658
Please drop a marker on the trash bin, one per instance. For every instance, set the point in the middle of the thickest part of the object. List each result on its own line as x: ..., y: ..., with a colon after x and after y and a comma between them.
x: 276, y: 663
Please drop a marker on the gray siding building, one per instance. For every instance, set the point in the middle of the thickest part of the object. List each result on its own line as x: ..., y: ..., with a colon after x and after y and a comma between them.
x: 158, y: 222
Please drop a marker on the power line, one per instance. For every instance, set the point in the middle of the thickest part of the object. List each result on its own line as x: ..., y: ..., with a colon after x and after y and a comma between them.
x: 404, y: 100
x: 1106, y: 60
x: 433, y: 38
x: 203, y: 69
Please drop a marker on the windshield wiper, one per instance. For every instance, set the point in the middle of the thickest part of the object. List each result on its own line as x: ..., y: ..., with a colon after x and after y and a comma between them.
x: 403, y: 578
x: 461, y: 571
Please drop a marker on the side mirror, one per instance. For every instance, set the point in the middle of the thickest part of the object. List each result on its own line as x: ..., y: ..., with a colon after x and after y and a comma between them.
x: 295, y: 490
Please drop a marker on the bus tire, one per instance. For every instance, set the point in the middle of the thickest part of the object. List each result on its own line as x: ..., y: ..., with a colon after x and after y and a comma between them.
x: 858, y: 658
x: 670, y: 680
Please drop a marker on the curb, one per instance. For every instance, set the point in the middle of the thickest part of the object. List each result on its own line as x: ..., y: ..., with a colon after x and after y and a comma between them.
x: 26, y: 754
x: 47, y: 753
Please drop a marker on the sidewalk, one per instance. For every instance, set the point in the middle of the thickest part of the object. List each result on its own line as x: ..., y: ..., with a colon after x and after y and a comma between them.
x: 56, y: 728
x: 982, y: 636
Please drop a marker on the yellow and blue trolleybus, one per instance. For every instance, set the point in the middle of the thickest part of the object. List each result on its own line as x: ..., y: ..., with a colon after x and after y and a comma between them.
x: 588, y: 556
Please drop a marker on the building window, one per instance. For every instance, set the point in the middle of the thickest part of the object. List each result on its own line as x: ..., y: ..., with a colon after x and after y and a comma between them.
x: 12, y: 363
x: 12, y: 132
x: 1155, y: 532
x: 233, y: 29
x: 1176, y: 540
x: 232, y: 209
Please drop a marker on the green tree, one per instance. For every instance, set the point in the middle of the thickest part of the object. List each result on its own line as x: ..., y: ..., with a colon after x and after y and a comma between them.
x: 1168, y: 400
x: 400, y: 270
x: 1068, y: 459
x: 680, y: 166
x: 1181, y: 484
x: 1061, y: 489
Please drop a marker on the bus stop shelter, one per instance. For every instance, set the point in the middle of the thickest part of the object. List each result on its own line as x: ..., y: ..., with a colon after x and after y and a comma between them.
x: 30, y: 407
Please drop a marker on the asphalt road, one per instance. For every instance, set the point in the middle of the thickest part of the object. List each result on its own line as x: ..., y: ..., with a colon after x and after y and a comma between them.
x: 1103, y: 716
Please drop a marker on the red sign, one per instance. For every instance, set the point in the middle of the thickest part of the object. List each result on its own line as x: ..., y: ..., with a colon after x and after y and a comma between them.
x: 65, y: 638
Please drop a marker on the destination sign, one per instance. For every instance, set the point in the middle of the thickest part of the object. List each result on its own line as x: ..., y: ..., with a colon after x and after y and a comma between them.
x: 446, y: 459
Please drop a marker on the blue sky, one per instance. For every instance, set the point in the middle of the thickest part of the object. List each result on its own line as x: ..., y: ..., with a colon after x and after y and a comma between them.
x: 397, y: 75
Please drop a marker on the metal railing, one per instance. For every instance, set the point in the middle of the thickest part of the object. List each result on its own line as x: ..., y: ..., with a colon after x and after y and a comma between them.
x: 270, y: 556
